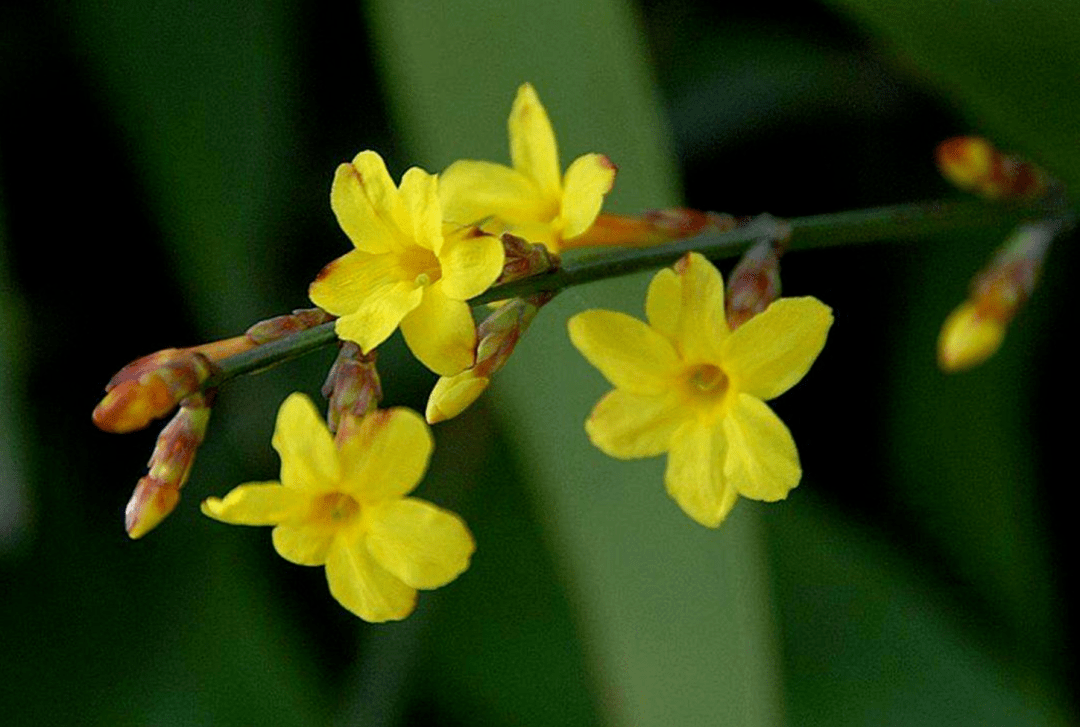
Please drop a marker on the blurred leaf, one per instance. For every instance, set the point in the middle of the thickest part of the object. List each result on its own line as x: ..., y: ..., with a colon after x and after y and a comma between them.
x: 675, y: 619
x: 203, y: 92
x: 507, y: 650
x: 871, y: 641
x: 961, y: 451
x: 1012, y: 66
x: 14, y: 490
x: 962, y: 446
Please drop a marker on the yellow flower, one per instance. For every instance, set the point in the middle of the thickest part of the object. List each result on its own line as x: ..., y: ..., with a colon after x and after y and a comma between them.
x: 531, y: 200
x: 687, y: 385
x: 345, y: 507
x: 403, y: 270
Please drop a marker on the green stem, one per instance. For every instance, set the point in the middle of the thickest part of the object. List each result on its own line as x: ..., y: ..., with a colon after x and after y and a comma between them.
x: 900, y: 222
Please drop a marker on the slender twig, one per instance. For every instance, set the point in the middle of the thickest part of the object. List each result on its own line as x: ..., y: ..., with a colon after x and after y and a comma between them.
x: 900, y: 222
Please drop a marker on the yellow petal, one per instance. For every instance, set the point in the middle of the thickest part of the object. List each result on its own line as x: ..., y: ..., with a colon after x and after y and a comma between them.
x: 419, y: 543
x: 587, y: 180
x: 627, y: 352
x: 363, y: 586
x: 629, y: 426
x: 346, y: 283
x: 421, y: 200
x: 382, y: 194
x: 470, y: 262
x: 441, y: 332
x: 304, y: 543
x: 453, y: 395
x: 257, y: 503
x: 381, y: 312
x: 663, y: 301
x: 532, y: 142
x: 695, y: 474
x: 386, y: 457
x: 702, y: 327
x: 772, y: 351
x: 762, y: 463
x: 355, y: 214
x: 309, y: 460
x: 474, y: 191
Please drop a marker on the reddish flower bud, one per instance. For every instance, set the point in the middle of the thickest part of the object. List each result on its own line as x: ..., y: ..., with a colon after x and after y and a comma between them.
x: 525, y: 259
x: 974, y: 165
x: 975, y: 330
x: 654, y: 227
x: 170, y: 465
x: 287, y: 325
x: 755, y: 281
x: 149, y: 388
x: 352, y: 386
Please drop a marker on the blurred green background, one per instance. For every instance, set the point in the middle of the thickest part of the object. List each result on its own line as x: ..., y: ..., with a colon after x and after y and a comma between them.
x: 164, y: 178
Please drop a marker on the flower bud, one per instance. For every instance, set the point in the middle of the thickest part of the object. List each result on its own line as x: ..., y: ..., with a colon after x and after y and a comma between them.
x: 975, y: 329
x: 654, y: 227
x: 157, y: 493
x: 352, y: 386
x: 974, y: 165
x: 754, y: 283
x: 525, y: 259
x: 497, y: 337
x: 149, y: 388
x: 281, y: 326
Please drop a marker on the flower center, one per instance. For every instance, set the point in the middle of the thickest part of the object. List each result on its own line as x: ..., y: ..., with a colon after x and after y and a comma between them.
x: 419, y: 265
x: 335, y: 508
x: 707, y: 381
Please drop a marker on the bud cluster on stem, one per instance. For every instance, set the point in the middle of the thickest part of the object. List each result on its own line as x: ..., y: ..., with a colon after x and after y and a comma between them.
x: 157, y: 493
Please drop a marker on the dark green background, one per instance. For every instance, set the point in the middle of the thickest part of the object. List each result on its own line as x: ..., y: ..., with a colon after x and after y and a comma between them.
x: 164, y: 177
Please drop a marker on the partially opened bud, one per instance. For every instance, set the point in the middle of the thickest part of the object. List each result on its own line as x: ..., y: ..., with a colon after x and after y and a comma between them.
x: 170, y: 465
x: 968, y: 337
x: 497, y: 337
x: 453, y: 395
x: 976, y: 328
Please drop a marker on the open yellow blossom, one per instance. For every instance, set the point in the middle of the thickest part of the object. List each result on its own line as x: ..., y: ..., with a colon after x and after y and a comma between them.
x: 532, y: 200
x: 687, y: 385
x: 345, y: 507
x: 404, y: 270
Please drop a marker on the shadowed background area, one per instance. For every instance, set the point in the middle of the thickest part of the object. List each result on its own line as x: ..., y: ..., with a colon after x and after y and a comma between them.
x: 164, y: 180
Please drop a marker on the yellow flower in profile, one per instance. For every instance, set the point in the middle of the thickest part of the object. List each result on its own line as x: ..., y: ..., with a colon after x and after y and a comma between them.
x: 404, y: 270
x: 345, y: 507
x: 687, y: 385
x: 533, y: 200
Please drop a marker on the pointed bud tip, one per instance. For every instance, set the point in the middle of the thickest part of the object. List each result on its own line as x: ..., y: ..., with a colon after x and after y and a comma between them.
x: 968, y: 338
x: 149, y: 505
x: 453, y: 395
x: 130, y: 406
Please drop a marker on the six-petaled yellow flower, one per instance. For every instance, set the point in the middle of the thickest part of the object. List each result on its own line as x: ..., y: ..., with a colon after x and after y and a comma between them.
x: 345, y: 506
x: 533, y: 200
x: 404, y: 270
x: 687, y: 385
